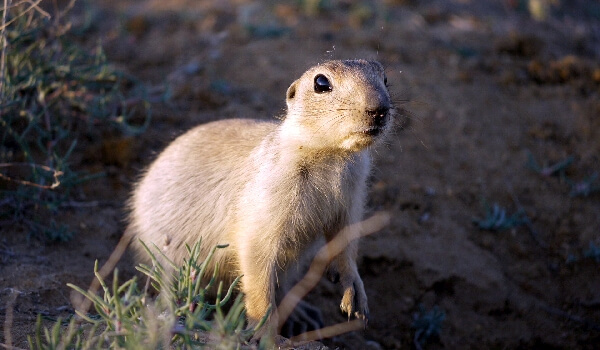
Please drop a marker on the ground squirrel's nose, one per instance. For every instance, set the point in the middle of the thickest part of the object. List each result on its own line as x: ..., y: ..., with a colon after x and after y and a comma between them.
x: 378, y: 116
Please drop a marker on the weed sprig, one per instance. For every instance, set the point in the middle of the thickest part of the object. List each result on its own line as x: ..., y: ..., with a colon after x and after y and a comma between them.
x: 585, y: 187
x: 427, y: 324
x: 593, y: 252
x: 550, y: 170
x: 582, y: 188
x: 53, y: 95
x: 497, y: 219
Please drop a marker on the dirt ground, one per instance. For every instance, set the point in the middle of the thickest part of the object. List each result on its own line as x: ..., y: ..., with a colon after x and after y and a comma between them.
x: 485, y: 88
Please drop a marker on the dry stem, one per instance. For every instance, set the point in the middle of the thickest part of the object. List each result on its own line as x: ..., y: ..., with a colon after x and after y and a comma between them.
x: 55, y: 174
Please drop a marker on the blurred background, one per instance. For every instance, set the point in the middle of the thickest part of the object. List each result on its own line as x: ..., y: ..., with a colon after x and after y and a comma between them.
x: 491, y: 173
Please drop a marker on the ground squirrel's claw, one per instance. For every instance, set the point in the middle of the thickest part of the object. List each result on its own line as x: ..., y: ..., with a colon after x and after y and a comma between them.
x: 348, y: 301
x: 354, y: 302
x: 362, y: 316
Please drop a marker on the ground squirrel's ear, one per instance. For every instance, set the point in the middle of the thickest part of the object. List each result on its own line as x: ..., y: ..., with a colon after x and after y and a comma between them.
x: 291, y: 91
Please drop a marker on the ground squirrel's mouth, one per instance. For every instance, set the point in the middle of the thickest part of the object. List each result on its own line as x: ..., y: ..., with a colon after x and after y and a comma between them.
x: 359, y: 139
x: 366, y: 134
x: 372, y: 131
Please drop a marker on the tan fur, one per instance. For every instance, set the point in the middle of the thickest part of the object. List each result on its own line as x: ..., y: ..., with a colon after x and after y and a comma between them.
x: 272, y: 190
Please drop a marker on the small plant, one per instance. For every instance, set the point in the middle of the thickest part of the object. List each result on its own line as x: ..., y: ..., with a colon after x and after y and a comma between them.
x: 54, y: 97
x: 180, y: 317
x: 578, y: 189
x: 57, y: 338
x: 427, y: 325
x: 593, y: 252
x: 550, y: 170
x: 497, y: 219
x: 585, y: 187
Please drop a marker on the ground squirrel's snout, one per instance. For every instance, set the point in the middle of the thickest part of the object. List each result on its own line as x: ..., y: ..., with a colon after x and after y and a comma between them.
x: 378, y: 119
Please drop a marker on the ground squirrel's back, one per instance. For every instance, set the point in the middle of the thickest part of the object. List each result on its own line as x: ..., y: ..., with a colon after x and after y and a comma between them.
x: 188, y: 191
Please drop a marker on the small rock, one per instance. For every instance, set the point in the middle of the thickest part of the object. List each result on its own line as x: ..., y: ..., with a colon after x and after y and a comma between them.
x: 373, y: 345
x: 519, y: 45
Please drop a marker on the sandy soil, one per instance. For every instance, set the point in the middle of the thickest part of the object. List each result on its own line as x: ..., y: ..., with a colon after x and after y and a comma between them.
x: 485, y: 88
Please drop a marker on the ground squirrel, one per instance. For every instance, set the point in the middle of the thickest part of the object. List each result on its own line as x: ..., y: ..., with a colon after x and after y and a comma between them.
x: 272, y: 190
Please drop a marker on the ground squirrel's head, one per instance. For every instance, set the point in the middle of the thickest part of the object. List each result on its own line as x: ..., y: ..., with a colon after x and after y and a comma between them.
x: 338, y: 105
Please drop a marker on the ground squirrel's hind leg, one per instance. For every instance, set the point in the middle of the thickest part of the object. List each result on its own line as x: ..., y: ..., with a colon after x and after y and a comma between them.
x: 304, y: 318
x: 259, y: 291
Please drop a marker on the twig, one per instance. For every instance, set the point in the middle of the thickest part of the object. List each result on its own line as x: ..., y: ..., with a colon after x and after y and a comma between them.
x: 34, y: 5
x: 9, y: 318
x: 60, y: 13
x: 55, y: 175
x: 19, y: 3
x: 4, y: 48
x: 328, y: 332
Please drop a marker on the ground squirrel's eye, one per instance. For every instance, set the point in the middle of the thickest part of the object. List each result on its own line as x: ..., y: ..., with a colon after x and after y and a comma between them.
x: 322, y: 84
x: 385, y: 80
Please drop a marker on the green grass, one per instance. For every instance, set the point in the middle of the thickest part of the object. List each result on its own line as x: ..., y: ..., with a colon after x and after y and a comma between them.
x: 182, y: 316
x: 56, y: 97
x: 593, y: 252
x: 427, y: 325
x: 582, y: 188
x: 497, y: 219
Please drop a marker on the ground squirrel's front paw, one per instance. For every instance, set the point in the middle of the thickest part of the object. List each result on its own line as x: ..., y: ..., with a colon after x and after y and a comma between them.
x: 354, y: 302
